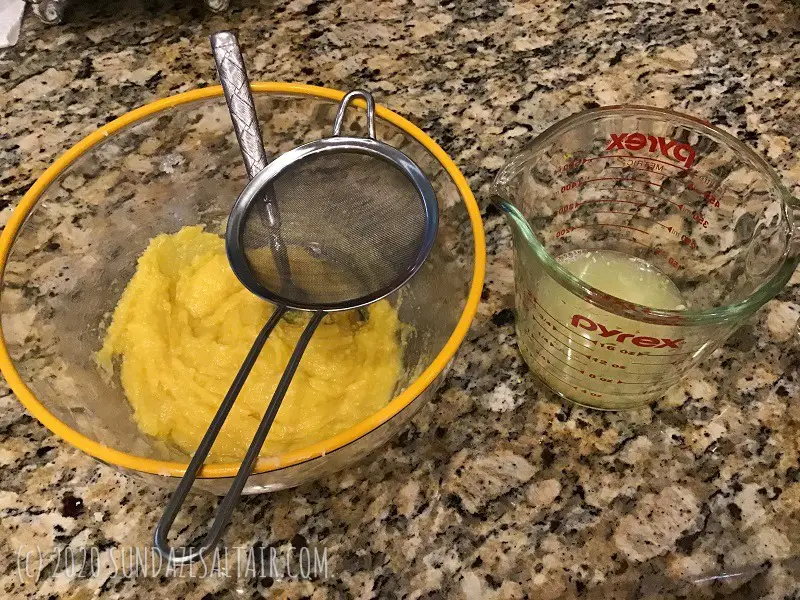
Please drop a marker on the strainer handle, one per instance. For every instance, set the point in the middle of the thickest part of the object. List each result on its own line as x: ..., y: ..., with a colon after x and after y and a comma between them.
x: 348, y: 98
x: 246, y: 468
x: 236, y: 85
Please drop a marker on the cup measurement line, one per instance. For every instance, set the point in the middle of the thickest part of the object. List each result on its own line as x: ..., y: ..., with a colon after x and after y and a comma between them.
x: 659, y: 363
x: 571, y: 206
x: 632, y: 168
x: 566, y: 364
x: 630, y: 156
x: 677, y: 233
x: 550, y: 331
x: 560, y: 347
x: 672, y: 354
x: 680, y: 207
x: 634, y: 215
x: 685, y: 239
x: 708, y: 199
x: 570, y: 228
x: 589, y: 389
x: 544, y: 310
x: 556, y: 345
x: 578, y: 183
x: 555, y: 321
x: 642, y: 244
x: 595, y: 393
x: 546, y: 327
x: 690, y: 186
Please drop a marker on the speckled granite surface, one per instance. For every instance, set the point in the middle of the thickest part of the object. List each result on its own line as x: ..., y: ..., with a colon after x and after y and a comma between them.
x: 495, y: 491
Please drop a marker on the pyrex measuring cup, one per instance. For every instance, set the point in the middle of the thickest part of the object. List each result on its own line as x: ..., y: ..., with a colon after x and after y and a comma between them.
x: 692, y: 208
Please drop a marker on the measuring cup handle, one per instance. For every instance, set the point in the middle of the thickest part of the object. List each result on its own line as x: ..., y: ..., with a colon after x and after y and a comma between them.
x: 349, y: 97
x: 236, y: 85
x: 246, y: 468
x: 793, y: 211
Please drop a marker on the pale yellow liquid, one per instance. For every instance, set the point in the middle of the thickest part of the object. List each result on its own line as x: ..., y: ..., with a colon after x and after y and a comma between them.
x: 623, y: 276
x: 588, y: 354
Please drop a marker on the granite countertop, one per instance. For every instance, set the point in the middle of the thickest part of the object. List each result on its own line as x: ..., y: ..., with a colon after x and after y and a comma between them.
x: 496, y: 490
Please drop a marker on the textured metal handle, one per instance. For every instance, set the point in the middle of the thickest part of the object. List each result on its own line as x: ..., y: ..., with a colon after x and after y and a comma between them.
x: 236, y: 85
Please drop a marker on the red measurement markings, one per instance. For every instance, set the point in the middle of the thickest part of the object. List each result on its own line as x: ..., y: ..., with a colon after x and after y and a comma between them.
x: 564, y: 349
x: 684, y: 239
x: 707, y: 196
x: 710, y: 198
x: 570, y: 206
x: 697, y: 216
x: 638, y: 243
x: 567, y: 351
x: 652, y: 195
x: 549, y: 325
x: 571, y: 228
x: 550, y: 330
x: 581, y: 182
x: 548, y: 373
x: 660, y: 363
x: 589, y: 375
x: 632, y: 168
x: 555, y: 322
x: 671, y: 354
x: 581, y: 379
x: 602, y: 362
x: 544, y: 310
x: 635, y: 216
x: 579, y: 161
x: 665, y: 382
x: 566, y: 364
x: 672, y: 261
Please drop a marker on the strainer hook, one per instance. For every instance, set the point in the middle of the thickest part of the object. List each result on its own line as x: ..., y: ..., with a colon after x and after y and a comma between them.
x: 349, y: 97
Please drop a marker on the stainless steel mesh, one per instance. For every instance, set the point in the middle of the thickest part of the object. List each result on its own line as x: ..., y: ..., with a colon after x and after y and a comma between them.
x: 353, y: 224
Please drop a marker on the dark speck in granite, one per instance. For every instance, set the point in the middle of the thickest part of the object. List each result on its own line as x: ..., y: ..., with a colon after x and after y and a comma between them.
x: 496, y: 490
x: 71, y: 506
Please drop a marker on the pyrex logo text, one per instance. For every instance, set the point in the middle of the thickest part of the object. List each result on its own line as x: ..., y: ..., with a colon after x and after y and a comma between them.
x: 670, y: 148
x: 643, y: 341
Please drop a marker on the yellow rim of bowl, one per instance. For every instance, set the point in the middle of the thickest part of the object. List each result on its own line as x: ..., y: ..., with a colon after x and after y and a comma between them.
x: 159, y: 467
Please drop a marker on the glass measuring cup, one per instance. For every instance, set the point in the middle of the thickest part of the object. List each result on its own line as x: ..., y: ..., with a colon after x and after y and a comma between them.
x: 688, y: 207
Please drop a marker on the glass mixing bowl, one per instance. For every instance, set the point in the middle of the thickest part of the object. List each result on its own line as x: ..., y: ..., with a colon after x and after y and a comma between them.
x: 71, y: 246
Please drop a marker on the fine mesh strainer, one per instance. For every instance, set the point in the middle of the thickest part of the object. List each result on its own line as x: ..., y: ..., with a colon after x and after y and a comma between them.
x: 357, y: 218
x: 353, y: 207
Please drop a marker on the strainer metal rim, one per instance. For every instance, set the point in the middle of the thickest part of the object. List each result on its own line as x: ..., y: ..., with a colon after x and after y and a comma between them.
x: 253, y: 192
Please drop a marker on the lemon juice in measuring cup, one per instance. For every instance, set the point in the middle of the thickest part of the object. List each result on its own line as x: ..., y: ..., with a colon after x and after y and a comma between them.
x: 642, y: 239
x: 591, y: 355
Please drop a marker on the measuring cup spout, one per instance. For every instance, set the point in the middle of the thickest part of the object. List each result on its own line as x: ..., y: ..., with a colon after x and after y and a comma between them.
x: 519, y: 224
x: 514, y: 217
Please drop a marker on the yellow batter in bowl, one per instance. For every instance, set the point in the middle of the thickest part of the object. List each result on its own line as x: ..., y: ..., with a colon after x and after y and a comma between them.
x: 183, y: 327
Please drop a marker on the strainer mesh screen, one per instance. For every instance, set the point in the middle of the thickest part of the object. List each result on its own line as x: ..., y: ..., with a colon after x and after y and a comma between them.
x: 353, y: 224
